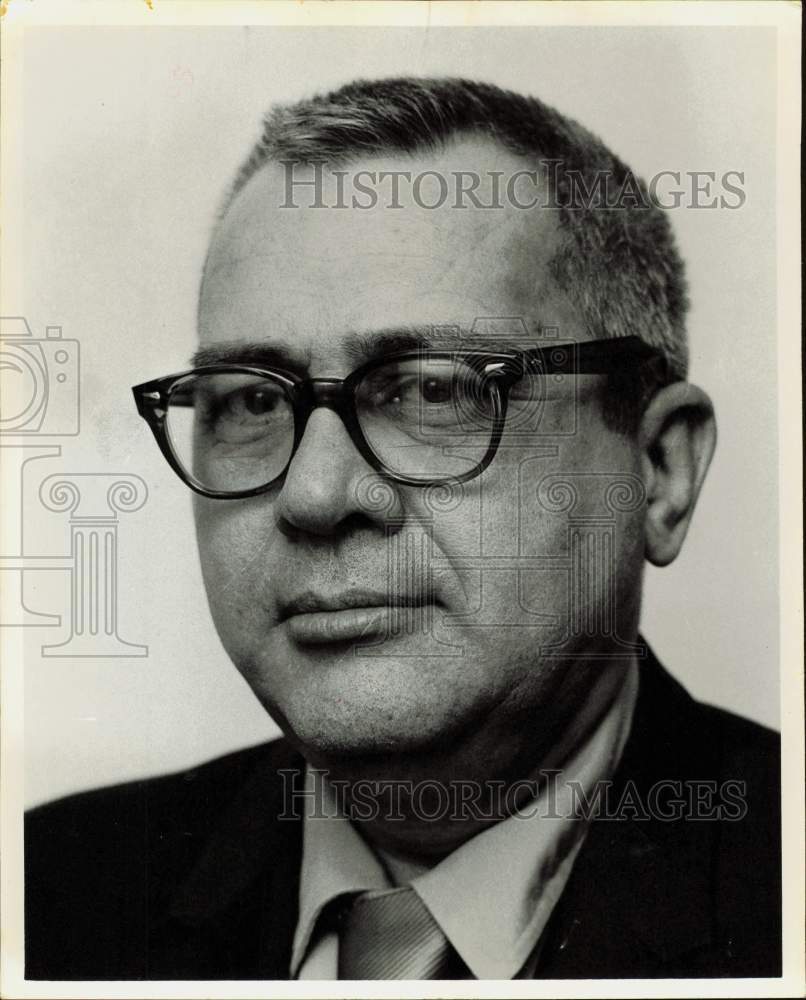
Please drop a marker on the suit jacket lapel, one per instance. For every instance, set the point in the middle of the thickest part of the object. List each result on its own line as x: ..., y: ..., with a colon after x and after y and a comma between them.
x: 639, y: 897
x: 234, y: 915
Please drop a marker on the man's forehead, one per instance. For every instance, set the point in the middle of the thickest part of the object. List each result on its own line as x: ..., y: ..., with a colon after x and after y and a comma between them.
x: 391, y: 196
x: 322, y: 278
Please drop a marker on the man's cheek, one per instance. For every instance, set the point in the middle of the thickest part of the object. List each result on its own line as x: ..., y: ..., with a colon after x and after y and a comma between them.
x: 235, y: 569
x: 235, y: 541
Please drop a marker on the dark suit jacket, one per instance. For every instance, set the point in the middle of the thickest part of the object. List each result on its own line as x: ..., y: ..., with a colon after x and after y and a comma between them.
x: 195, y: 876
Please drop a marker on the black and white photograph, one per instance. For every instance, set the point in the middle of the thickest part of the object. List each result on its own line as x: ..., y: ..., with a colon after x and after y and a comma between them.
x: 401, y: 553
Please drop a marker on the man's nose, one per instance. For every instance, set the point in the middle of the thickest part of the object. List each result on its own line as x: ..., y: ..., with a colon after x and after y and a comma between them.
x: 327, y: 478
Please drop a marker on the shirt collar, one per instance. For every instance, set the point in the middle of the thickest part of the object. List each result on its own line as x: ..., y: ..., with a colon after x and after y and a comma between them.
x: 335, y: 860
x: 493, y: 897
x: 493, y: 913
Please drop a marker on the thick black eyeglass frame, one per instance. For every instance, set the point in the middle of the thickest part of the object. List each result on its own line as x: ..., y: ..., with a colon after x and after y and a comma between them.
x: 503, y: 369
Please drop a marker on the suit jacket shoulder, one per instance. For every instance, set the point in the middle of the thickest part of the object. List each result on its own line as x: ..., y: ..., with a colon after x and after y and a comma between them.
x: 126, y: 882
x: 680, y: 875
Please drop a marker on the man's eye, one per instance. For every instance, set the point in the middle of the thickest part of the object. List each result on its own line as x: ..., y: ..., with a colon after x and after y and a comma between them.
x: 413, y: 392
x: 247, y: 405
x: 437, y: 390
x: 252, y: 402
x: 242, y: 413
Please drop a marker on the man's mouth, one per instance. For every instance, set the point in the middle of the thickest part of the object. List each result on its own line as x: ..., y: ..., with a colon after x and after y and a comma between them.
x: 313, y: 618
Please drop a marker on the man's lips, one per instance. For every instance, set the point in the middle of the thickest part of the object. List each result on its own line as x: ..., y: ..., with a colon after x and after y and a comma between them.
x: 312, y: 618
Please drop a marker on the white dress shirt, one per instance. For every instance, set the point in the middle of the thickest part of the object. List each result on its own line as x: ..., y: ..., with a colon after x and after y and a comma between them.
x: 493, y: 896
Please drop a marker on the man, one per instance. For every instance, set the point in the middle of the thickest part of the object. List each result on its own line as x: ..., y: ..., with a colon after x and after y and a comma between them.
x: 437, y: 421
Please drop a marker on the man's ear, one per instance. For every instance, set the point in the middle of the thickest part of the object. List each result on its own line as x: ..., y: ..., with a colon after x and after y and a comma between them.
x: 677, y: 437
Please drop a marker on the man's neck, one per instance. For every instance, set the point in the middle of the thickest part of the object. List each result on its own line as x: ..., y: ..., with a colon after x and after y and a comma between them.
x: 418, y: 808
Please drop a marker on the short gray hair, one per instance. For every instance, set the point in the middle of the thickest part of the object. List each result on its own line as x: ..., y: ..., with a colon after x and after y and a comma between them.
x: 620, y: 266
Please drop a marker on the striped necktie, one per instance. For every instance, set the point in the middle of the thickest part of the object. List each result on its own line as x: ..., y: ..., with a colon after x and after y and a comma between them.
x: 389, y: 934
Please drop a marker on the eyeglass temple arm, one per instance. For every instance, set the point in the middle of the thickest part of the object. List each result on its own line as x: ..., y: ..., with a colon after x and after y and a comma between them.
x: 591, y: 357
x: 151, y: 400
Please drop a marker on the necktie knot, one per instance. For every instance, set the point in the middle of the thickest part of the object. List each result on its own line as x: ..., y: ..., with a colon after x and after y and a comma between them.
x: 390, y: 934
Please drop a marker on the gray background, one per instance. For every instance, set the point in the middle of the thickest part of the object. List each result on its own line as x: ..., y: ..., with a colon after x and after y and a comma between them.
x: 130, y: 137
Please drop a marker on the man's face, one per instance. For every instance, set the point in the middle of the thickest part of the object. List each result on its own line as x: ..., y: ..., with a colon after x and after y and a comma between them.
x: 499, y: 630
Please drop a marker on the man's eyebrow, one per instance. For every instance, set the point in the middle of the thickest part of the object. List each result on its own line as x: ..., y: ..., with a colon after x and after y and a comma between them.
x: 357, y: 347
x: 279, y: 354
x: 360, y: 347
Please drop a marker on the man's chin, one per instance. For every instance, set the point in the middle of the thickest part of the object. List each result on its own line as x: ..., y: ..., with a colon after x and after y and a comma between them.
x: 331, y: 701
x: 359, y: 732
x: 359, y: 723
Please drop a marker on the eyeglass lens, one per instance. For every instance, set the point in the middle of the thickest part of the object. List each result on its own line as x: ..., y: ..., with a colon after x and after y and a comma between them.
x: 423, y: 418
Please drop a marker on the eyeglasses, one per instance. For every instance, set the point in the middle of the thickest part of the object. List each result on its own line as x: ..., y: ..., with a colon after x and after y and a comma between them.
x: 421, y: 418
